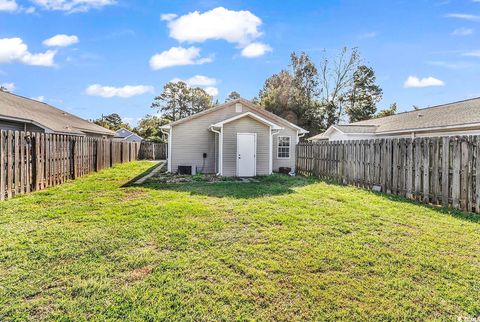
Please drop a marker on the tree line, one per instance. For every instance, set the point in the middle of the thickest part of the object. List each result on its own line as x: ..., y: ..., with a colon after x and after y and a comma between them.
x: 337, y: 89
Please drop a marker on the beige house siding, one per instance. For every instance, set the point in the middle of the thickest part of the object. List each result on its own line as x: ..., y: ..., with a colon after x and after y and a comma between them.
x: 245, y: 125
x: 189, y: 142
x: 290, y: 162
x: 193, y: 138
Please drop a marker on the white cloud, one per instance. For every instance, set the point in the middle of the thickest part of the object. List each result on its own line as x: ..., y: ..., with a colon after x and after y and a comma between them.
x: 239, y: 27
x: 9, y: 86
x: 255, y: 49
x: 462, y: 32
x: 8, y: 5
x: 213, y: 91
x: 168, y: 16
x: 451, y: 65
x: 369, y: 35
x: 200, y: 80
x: 61, y: 41
x: 133, y: 122
x: 473, y: 53
x: 40, y: 98
x: 464, y: 16
x: 73, y: 5
x: 15, y: 50
x: 178, y: 56
x: 125, y: 91
x: 415, y: 82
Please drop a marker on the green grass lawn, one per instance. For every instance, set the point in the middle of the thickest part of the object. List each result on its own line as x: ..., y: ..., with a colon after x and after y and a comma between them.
x: 279, y: 249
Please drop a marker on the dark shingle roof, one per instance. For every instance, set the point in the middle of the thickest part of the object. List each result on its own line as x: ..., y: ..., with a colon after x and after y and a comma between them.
x: 462, y: 113
x: 446, y: 115
x: 31, y: 111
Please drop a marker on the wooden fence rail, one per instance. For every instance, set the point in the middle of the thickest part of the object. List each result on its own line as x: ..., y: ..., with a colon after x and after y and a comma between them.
x: 153, y: 151
x: 436, y: 170
x: 34, y: 161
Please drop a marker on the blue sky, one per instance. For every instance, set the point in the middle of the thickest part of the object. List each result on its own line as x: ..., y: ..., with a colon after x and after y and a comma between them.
x: 115, y: 55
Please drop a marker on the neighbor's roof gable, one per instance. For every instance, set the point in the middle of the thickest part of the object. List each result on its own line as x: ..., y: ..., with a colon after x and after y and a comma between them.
x: 22, y: 109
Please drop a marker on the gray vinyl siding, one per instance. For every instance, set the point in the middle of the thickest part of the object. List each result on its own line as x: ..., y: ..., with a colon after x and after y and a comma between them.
x: 189, y: 141
x: 245, y: 125
x: 19, y: 126
x: 193, y: 137
x: 277, y: 163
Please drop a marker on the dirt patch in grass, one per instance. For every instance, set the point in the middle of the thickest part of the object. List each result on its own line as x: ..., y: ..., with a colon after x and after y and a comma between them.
x: 137, y: 274
x: 133, y: 194
x: 163, y: 177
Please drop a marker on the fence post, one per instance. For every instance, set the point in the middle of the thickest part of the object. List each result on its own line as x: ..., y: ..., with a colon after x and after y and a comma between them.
x: 74, y: 158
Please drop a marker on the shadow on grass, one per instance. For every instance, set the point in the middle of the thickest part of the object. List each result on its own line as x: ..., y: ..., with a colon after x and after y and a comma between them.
x: 141, y: 175
x: 275, y: 184
x: 463, y: 215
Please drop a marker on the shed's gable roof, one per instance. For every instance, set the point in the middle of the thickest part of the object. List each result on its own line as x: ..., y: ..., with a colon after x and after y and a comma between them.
x: 247, y: 103
x: 22, y: 109
x: 251, y: 115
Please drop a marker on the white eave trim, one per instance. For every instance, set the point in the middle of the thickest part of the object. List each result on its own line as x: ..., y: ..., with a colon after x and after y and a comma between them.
x: 249, y: 114
x: 425, y: 129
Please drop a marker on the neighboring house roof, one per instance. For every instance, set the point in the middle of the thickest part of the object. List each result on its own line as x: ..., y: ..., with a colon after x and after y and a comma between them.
x: 22, y: 109
x: 257, y: 109
x: 125, y: 134
x: 462, y: 114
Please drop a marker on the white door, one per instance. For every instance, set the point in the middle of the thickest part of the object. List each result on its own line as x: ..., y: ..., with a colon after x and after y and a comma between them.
x: 246, y: 147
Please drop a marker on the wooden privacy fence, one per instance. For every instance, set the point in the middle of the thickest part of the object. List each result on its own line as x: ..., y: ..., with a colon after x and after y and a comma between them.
x: 34, y: 161
x: 437, y: 170
x: 153, y: 151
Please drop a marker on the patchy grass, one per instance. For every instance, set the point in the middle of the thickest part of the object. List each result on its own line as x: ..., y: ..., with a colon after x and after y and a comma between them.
x: 278, y: 249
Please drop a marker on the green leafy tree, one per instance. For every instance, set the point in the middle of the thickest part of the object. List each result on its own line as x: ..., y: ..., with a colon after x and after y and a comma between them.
x: 178, y: 100
x: 311, y: 97
x: 292, y: 93
x: 112, y: 122
x: 364, y: 95
x: 232, y: 96
x: 392, y: 110
x: 149, y: 128
x: 199, y: 100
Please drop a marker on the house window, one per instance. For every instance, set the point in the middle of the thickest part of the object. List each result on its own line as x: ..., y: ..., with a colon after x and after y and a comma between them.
x: 283, y: 151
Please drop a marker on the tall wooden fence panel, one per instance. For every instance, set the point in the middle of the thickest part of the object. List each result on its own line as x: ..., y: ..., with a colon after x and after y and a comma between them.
x: 437, y: 170
x: 34, y: 161
x: 153, y: 151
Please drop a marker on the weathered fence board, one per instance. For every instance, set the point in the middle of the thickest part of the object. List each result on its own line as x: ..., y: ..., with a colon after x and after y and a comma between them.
x: 153, y: 151
x: 443, y: 171
x: 35, y: 161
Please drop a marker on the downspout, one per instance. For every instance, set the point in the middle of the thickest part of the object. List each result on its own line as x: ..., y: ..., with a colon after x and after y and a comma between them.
x: 272, y: 133
x: 169, y: 148
x: 220, y: 149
